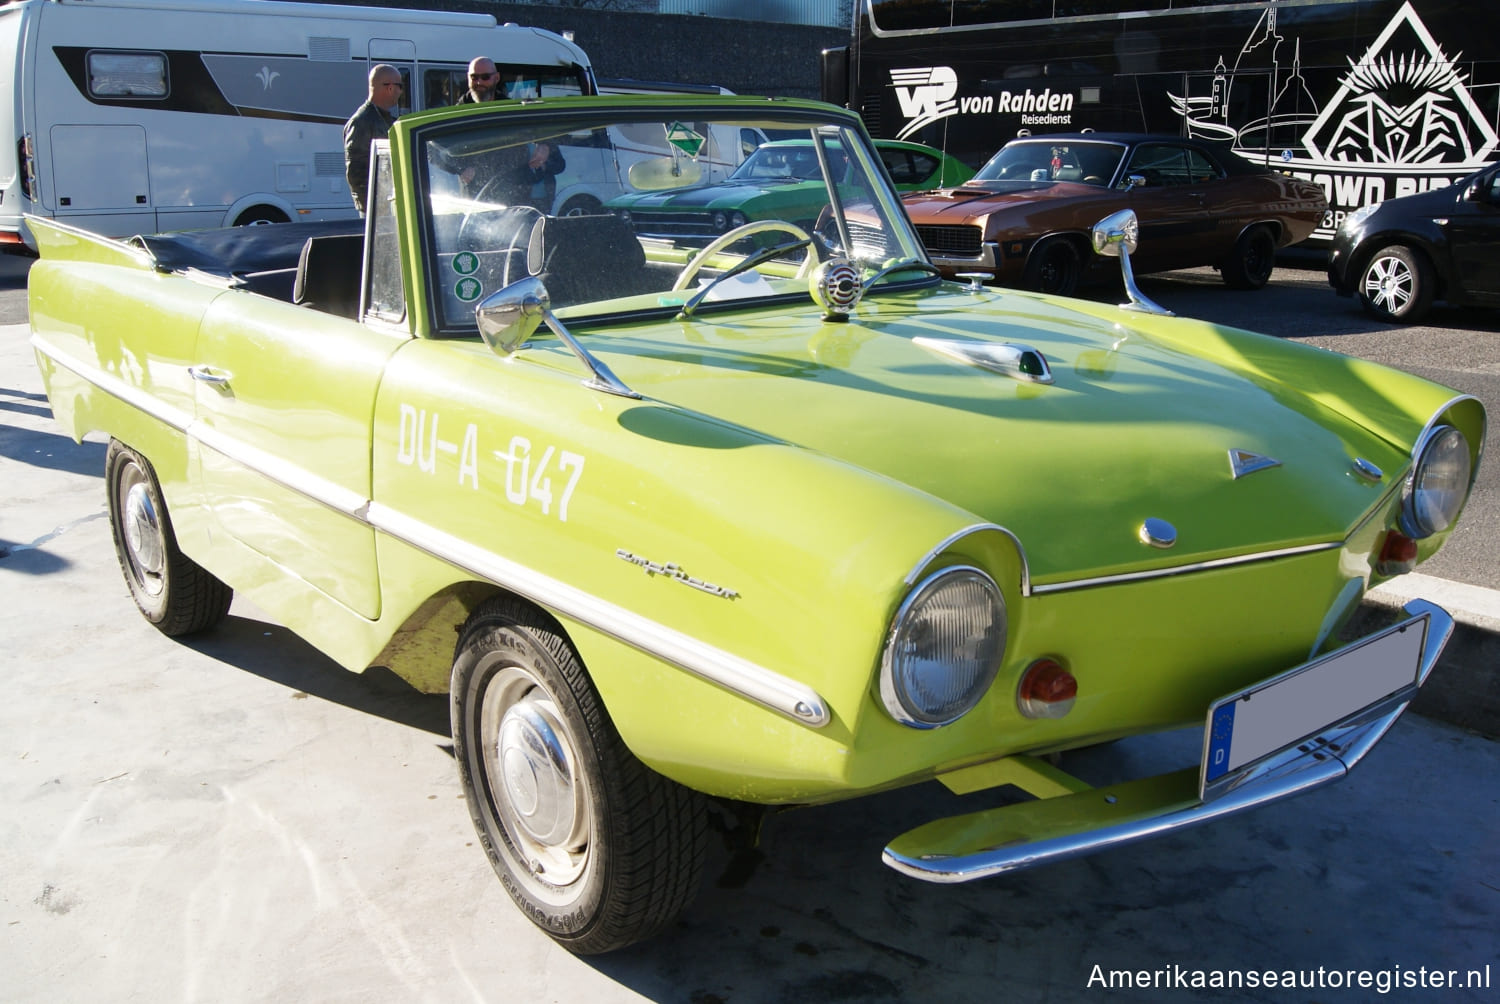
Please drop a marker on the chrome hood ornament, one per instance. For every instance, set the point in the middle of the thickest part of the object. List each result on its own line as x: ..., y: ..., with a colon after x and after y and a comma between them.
x: 1019, y: 362
x: 1242, y: 462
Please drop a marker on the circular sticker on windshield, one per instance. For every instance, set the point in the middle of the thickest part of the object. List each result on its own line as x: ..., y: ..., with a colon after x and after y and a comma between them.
x: 466, y: 263
x: 468, y: 290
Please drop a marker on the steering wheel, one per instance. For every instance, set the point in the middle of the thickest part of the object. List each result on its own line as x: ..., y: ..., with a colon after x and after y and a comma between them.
x: 719, y: 243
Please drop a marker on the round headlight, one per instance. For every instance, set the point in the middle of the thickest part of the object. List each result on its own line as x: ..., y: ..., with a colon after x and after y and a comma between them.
x: 721, y: 222
x: 737, y: 219
x: 944, y: 648
x: 1438, y: 484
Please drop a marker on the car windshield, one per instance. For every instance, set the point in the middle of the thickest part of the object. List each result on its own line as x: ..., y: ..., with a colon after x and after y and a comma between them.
x: 795, y: 160
x: 1086, y: 162
x: 622, y: 209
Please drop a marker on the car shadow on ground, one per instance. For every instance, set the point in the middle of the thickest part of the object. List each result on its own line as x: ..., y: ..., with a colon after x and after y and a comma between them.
x: 271, y: 652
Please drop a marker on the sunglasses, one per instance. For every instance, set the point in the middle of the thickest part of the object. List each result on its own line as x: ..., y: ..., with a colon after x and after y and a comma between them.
x: 483, y: 76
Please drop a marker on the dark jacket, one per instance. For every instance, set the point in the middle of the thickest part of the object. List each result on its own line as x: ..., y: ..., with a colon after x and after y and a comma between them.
x: 368, y: 123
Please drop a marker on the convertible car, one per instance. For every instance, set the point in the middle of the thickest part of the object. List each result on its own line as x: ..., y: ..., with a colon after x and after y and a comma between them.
x: 688, y: 534
x: 1024, y: 219
x: 781, y: 180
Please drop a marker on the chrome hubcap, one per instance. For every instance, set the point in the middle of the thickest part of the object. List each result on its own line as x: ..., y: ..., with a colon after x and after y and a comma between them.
x: 536, y: 774
x: 539, y: 793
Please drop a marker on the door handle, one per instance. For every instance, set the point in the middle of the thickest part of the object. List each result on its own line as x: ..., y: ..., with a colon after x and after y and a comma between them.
x: 209, y: 375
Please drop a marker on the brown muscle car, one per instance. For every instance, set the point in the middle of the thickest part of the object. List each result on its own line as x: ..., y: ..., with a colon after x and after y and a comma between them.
x: 1024, y: 219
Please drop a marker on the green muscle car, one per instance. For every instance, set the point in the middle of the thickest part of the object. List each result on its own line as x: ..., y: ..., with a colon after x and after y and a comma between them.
x: 689, y: 533
x: 781, y: 180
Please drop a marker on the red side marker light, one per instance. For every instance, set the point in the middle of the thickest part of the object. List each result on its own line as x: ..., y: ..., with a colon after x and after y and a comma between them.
x: 1046, y: 690
x: 1398, y: 555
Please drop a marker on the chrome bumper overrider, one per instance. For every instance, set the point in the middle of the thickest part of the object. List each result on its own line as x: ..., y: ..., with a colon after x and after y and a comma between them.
x: 1039, y: 832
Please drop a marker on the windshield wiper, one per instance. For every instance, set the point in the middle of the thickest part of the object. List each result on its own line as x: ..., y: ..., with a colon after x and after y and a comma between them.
x: 759, y: 258
x: 901, y: 266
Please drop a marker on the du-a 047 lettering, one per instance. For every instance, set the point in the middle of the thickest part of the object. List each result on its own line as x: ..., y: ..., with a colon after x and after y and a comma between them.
x: 527, y: 472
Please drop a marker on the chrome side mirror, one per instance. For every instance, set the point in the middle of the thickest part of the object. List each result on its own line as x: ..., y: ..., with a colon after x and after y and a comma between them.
x: 1135, y: 181
x: 508, y: 317
x: 1117, y: 236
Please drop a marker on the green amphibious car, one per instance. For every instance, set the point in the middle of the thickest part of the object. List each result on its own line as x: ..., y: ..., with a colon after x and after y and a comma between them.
x: 688, y: 532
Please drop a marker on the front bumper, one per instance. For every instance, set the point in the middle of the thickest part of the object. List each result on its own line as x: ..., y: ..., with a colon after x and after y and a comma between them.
x: 994, y: 841
x: 1341, y: 270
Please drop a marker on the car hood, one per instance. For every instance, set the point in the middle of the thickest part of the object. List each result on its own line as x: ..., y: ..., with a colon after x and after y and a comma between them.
x: 723, y: 196
x: 1134, y: 426
x: 1435, y: 202
x: 957, y: 205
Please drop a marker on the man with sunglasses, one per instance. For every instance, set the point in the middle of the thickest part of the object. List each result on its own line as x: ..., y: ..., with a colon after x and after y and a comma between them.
x: 370, y: 121
x: 484, y: 82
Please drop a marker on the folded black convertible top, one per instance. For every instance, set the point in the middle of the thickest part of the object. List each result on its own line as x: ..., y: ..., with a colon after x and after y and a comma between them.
x: 238, y: 250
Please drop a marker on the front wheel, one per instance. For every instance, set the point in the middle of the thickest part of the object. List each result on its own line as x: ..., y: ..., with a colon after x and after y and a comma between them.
x: 1396, y: 285
x: 1250, y: 263
x: 172, y: 591
x: 1053, y: 267
x: 597, y: 850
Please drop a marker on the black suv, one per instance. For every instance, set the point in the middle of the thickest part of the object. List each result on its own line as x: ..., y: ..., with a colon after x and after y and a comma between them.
x: 1400, y: 255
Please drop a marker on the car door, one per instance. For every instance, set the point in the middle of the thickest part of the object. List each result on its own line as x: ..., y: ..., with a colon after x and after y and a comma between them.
x: 1474, y: 240
x: 284, y: 402
x: 1177, y: 227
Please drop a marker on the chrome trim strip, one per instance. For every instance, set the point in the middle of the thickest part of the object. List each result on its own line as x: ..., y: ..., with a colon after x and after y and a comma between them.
x: 112, y: 385
x: 754, y: 682
x: 1434, y: 421
x: 765, y: 687
x: 1157, y: 808
x: 287, y: 475
x: 987, y: 258
x: 1197, y: 566
x: 921, y: 567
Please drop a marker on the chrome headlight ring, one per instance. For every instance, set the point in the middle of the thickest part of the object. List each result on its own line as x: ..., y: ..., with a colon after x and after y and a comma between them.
x: 944, y: 648
x: 1438, y: 484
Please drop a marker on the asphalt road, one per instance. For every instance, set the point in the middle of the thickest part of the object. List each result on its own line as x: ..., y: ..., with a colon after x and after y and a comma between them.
x: 235, y: 818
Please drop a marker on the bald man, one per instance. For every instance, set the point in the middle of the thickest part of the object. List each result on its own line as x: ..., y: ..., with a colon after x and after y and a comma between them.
x: 483, y: 81
x: 370, y: 121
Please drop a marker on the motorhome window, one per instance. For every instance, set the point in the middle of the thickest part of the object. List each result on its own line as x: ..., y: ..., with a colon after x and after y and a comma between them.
x: 127, y: 74
x: 444, y: 86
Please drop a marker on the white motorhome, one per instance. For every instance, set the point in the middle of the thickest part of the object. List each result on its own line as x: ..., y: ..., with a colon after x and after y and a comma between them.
x: 136, y: 116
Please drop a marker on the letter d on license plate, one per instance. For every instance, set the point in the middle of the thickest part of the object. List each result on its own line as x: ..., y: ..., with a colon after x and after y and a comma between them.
x: 1265, y: 718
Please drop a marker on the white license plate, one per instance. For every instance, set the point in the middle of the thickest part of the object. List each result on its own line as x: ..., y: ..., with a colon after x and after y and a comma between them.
x: 1272, y: 715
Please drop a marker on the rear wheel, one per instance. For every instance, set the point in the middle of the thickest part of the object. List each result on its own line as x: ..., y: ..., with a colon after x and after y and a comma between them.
x: 171, y: 590
x: 597, y: 850
x: 260, y: 215
x: 1053, y: 267
x: 1250, y: 263
x: 1396, y: 284
x: 581, y: 205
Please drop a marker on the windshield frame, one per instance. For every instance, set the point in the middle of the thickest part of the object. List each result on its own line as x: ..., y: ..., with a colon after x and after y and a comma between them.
x: 579, y: 116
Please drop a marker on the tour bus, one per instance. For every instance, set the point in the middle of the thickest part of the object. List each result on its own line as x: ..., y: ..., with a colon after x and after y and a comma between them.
x: 137, y: 116
x: 1372, y: 99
